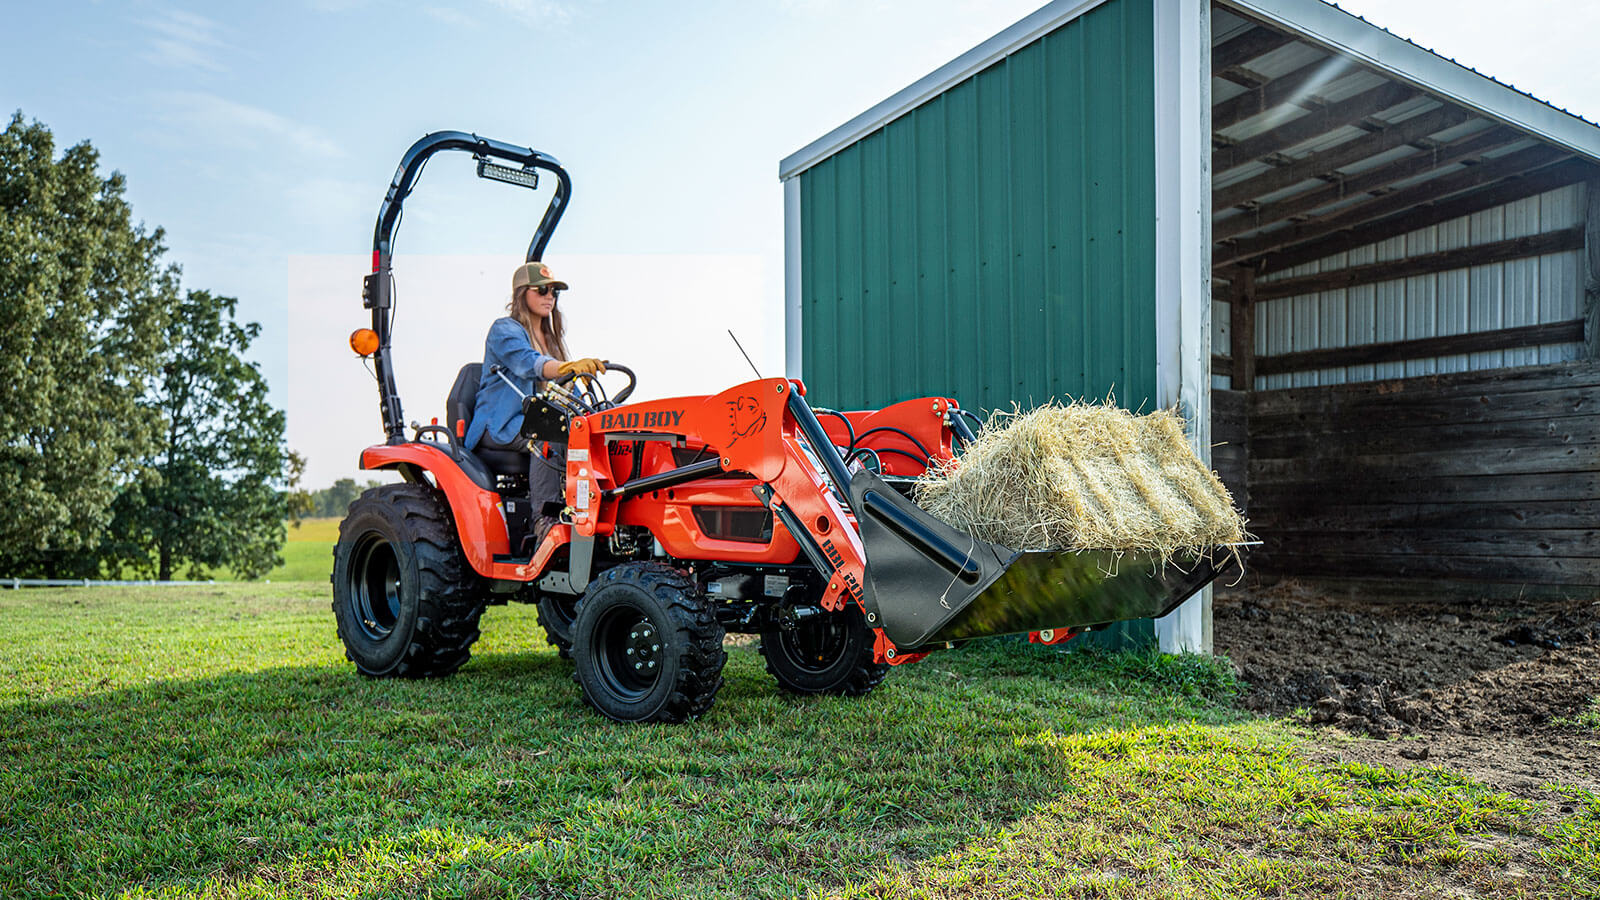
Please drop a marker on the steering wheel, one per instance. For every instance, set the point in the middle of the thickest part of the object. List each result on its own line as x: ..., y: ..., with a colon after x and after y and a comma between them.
x: 593, y: 394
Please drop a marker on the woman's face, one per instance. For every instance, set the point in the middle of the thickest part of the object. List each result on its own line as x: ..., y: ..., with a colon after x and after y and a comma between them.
x: 539, y: 304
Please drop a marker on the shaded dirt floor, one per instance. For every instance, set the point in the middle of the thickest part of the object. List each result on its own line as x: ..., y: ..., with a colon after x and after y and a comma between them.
x: 1493, y: 689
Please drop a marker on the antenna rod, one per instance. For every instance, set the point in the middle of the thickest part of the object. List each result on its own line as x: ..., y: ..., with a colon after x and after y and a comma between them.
x: 746, y: 355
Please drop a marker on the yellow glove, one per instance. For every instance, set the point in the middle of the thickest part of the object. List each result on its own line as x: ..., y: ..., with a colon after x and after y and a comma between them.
x: 586, y: 366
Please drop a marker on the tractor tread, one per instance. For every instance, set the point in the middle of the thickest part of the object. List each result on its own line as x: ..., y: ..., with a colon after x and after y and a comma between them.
x: 450, y: 593
x: 698, y: 636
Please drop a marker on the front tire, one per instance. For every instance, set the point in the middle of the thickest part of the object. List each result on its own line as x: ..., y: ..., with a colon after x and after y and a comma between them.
x: 647, y: 646
x: 405, y: 599
x: 830, y: 654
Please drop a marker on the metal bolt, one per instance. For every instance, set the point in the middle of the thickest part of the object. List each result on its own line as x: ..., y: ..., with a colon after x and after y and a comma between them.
x: 654, y: 647
x: 630, y: 651
x: 889, y: 653
x: 638, y: 665
x: 634, y: 635
x: 780, y: 388
x: 726, y: 461
x: 652, y: 664
x: 872, y: 617
x: 1047, y: 635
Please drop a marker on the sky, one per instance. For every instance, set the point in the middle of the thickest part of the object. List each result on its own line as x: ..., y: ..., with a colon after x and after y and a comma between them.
x: 261, y: 137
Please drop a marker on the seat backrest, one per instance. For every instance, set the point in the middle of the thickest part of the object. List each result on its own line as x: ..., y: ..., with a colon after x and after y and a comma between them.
x: 463, y: 397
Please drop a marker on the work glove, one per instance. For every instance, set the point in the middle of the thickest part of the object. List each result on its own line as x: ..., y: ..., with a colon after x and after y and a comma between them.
x: 586, y: 366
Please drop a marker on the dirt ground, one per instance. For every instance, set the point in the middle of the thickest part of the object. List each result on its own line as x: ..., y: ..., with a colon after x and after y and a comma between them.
x: 1489, y: 688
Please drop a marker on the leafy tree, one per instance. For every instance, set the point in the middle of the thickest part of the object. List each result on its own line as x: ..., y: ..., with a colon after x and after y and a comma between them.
x: 211, y: 496
x: 84, y: 296
x: 298, y: 502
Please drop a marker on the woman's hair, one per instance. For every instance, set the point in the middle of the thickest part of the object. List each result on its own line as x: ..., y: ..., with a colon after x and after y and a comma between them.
x: 552, y: 334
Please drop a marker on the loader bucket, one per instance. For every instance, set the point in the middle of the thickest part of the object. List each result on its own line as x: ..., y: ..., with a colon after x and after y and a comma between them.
x: 928, y: 583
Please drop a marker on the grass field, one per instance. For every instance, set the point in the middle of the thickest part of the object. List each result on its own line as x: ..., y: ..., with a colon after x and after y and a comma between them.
x: 211, y: 741
x: 308, y: 551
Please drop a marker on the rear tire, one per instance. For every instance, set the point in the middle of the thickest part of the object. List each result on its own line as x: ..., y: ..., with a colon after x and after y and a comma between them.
x: 827, y: 655
x: 557, y: 613
x: 405, y: 599
x: 647, y: 646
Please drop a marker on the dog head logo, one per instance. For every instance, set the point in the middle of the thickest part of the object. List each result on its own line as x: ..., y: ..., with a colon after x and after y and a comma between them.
x: 746, y: 418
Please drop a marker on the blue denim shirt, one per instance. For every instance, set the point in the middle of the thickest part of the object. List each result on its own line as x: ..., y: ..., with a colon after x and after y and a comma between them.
x: 498, y: 411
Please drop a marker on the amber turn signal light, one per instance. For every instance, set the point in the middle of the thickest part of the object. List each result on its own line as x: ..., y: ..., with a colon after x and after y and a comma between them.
x: 364, y: 341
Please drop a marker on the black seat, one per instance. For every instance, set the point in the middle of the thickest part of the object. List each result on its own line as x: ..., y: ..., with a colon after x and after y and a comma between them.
x: 459, y: 406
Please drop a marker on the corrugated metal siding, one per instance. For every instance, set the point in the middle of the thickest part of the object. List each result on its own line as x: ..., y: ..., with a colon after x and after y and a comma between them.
x: 998, y: 242
x: 1483, y: 298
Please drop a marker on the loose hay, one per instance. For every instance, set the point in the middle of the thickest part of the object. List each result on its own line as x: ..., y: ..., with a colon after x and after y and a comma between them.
x: 1081, y: 477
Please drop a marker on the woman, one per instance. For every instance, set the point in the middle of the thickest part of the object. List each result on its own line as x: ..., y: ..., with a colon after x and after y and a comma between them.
x: 530, y: 346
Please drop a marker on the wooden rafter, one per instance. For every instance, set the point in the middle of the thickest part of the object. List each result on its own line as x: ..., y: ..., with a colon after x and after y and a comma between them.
x: 1251, y: 45
x: 1508, y: 191
x: 1373, y: 180
x: 1334, y: 158
x: 1312, y: 125
x: 1401, y: 201
x: 1278, y: 91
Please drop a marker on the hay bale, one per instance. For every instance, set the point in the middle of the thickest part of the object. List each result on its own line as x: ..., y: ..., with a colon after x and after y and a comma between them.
x: 1084, y: 476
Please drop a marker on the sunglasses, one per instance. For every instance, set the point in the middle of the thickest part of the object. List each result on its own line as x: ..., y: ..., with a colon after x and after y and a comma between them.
x: 545, y: 290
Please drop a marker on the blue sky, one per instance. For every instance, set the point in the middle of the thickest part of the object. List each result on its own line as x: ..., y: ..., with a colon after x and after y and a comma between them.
x: 259, y: 135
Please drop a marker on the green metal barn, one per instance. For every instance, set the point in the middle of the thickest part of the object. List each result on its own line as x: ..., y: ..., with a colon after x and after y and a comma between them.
x: 1361, y: 270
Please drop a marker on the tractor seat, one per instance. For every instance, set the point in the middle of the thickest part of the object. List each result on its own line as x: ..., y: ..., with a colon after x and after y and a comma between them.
x: 459, y: 407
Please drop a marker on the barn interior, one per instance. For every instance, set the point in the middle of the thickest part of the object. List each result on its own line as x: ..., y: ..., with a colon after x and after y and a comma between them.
x: 1404, y: 384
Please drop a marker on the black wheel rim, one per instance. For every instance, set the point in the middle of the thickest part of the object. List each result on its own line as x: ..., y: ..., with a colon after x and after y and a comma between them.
x: 816, y: 646
x: 375, y: 586
x: 628, y: 651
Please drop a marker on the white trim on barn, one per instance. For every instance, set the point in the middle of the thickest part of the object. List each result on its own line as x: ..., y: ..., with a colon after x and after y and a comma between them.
x: 1033, y: 27
x: 1183, y: 265
x: 792, y: 300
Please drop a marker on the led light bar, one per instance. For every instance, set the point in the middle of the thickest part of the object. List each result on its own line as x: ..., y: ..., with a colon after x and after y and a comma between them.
x: 527, y: 178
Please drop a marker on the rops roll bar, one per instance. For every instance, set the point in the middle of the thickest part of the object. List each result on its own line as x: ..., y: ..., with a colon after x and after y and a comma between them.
x: 375, y: 288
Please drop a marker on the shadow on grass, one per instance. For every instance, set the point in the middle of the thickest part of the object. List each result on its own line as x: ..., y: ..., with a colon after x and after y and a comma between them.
x: 311, y: 781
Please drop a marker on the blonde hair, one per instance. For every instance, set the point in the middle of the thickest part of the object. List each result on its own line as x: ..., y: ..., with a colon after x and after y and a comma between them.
x: 547, y: 335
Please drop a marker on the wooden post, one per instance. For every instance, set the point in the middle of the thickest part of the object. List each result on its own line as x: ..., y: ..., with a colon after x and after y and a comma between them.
x: 1244, y: 330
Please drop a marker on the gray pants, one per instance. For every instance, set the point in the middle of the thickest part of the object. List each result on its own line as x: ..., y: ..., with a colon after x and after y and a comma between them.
x: 547, y: 476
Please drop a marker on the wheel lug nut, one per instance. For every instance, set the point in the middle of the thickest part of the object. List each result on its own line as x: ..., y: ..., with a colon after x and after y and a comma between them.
x: 655, y: 646
x: 638, y: 666
x: 630, y: 651
x: 652, y: 664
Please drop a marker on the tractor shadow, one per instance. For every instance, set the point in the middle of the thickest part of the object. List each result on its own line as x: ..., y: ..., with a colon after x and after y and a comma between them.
x: 499, y: 781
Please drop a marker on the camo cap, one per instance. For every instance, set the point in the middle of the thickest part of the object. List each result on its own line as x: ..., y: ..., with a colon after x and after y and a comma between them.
x: 534, y: 274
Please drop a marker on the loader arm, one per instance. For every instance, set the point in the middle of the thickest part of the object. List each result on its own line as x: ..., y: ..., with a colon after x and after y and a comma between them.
x: 920, y: 583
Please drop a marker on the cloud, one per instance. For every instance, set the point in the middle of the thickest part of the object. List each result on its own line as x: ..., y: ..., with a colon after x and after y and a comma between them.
x: 450, y: 16
x: 536, y: 12
x: 241, y: 125
x: 184, y: 40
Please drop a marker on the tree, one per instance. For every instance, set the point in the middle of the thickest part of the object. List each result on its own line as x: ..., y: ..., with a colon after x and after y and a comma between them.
x: 84, y: 296
x: 298, y: 502
x: 211, y: 497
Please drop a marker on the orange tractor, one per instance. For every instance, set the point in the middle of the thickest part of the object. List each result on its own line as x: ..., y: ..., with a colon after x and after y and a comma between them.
x: 747, y: 511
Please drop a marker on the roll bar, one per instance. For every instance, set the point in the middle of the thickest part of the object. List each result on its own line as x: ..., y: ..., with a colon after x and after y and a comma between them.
x: 375, y: 293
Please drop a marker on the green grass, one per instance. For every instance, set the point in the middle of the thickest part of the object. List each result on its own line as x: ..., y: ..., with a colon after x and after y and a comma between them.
x: 211, y: 741
x: 1588, y: 718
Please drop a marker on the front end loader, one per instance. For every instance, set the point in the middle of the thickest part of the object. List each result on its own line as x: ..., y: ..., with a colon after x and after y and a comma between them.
x: 686, y: 518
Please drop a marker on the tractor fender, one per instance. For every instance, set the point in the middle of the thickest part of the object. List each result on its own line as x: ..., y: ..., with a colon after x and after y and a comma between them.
x: 480, y: 523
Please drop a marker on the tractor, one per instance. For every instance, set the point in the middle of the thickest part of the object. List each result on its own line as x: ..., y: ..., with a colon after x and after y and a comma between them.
x: 749, y: 511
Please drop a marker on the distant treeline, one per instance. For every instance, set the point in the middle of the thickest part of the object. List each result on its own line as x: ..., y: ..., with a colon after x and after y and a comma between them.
x: 333, y: 501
